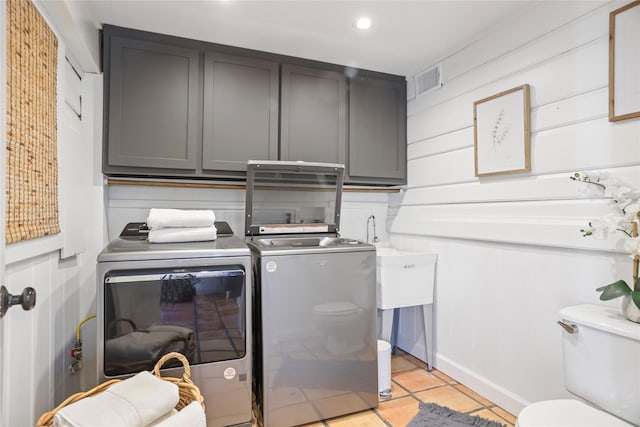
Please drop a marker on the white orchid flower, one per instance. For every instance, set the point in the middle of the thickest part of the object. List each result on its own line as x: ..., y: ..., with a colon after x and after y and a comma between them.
x: 632, y: 245
x: 597, y: 228
x: 617, y: 192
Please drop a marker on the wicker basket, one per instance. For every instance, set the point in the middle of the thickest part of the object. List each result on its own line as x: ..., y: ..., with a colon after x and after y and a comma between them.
x: 187, y: 390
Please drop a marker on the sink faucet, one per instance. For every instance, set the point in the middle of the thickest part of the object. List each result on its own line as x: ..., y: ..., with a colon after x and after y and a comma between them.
x: 375, y: 237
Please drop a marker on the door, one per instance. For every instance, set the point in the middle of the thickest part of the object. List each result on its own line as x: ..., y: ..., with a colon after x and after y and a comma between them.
x: 3, y: 346
x: 153, y: 104
x: 377, y: 131
x: 3, y: 132
x: 313, y: 115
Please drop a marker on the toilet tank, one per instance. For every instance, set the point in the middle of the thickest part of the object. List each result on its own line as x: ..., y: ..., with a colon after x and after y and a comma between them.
x: 602, y: 359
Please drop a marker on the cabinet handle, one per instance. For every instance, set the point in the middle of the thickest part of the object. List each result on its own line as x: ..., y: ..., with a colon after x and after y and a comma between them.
x: 571, y: 328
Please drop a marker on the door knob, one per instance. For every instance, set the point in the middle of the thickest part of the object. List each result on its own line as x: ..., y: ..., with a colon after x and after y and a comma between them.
x: 27, y: 299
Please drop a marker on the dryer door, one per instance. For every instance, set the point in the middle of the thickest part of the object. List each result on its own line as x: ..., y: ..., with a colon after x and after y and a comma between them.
x: 198, y: 312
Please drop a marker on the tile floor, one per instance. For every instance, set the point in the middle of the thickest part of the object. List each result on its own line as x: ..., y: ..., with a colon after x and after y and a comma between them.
x: 411, y: 383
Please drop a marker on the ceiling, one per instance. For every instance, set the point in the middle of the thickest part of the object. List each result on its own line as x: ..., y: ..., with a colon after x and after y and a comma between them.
x: 406, y: 36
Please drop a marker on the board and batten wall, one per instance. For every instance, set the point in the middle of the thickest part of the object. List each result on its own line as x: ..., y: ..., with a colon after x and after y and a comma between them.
x: 510, y: 253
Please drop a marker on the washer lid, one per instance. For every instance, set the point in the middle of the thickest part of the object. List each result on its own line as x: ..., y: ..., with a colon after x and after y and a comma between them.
x: 288, y: 198
x: 566, y: 413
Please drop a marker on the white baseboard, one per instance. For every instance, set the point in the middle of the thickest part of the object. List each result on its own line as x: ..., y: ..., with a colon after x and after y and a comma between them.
x: 500, y: 396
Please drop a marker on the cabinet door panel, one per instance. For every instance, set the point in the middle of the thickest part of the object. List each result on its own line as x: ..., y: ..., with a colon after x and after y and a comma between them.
x: 377, y: 129
x: 313, y: 122
x: 153, y: 103
x: 240, y: 111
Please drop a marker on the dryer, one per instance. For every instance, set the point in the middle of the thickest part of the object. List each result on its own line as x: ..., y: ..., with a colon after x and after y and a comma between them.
x: 194, y: 298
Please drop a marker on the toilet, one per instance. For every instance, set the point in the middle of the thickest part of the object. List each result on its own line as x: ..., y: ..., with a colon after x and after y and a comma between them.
x: 601, y: 352
x: 342, y: 323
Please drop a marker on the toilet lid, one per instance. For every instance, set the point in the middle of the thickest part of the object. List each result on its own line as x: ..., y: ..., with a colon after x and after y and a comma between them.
x: 337, y: 308
x: 566, y: 413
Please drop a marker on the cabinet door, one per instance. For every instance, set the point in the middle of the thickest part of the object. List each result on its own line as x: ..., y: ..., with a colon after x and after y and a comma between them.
x: 240, y: 111
x: 153, y: 105
x: 313, y: 121
x: 377, y: 131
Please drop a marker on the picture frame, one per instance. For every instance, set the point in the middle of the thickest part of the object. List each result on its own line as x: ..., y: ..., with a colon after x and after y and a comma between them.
x: 624, y: 62
x: 502, y: 132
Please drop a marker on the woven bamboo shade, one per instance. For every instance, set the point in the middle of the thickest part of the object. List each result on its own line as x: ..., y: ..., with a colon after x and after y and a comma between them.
x: 32, y: 160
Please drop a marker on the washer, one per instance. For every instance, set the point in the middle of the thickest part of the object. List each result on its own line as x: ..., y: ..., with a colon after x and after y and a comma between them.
x: 315, y: 297
x: 194, y: 298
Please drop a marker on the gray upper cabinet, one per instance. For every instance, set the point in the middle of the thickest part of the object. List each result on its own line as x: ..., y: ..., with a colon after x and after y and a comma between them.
x: 240, y: 111
x: 153, y: 99
x: 377, y: 131
x: 313, y: 115
x: 175, y: 107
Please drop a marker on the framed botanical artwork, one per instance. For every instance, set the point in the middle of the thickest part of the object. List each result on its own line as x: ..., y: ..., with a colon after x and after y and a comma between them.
x: 624, y: 62
x: 502, y: 132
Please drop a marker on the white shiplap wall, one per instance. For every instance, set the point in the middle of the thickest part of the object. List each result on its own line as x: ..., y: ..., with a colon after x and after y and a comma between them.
x: 132, y: 203
x: 510, y: 253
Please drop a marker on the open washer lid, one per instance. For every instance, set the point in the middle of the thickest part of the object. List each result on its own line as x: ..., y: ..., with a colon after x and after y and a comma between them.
x: 292, y: 198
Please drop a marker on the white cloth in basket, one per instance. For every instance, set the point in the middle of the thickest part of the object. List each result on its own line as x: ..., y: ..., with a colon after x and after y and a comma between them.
x: 134, y: 402
x: 163, y: 218
x: 186, y: 234
x: 191, y: 415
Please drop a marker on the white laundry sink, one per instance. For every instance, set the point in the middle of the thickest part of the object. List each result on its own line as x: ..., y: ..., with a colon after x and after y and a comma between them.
x: 404, y: 278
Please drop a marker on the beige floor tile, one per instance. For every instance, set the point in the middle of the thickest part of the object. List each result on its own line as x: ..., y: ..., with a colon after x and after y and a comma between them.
x: 416, y: 380
x: 419, y: 363
x: 487, y: 414
x: 449, y: 397
x: 360, y: 419
x: 318, y: 424
x: 399, y: 364
x: 396, y: 392
x: 399, y: 412
x: 444, y: 377
x: 504, y: 414
x: 473, y: 394
x: 342, y: 404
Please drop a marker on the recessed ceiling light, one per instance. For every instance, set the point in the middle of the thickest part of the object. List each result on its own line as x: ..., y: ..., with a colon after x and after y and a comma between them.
x: 363, y: 23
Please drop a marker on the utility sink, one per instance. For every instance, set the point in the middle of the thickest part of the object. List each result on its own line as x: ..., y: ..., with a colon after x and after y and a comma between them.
x: 404, y: 278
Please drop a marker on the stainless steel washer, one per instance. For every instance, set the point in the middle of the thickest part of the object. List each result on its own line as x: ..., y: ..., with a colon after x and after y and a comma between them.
x: 314, y: 299
x: 193, y: 298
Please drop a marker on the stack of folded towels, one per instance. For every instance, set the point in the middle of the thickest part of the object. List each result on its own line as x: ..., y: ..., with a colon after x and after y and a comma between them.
x: 140, y: 401
x: 176, y: 225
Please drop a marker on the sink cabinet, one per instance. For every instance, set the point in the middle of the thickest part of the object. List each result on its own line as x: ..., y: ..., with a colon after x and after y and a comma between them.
x: 189, y: 109
x: 405, y: 279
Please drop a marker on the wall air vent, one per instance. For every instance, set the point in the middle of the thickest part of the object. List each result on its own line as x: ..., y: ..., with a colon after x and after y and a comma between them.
x: 428, y: 80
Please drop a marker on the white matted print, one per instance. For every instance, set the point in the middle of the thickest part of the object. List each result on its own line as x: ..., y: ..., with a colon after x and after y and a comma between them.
x: 501, y: 125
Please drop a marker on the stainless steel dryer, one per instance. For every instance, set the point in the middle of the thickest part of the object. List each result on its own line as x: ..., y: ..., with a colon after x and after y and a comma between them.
x: 314, y: 299
x: 193, y: 298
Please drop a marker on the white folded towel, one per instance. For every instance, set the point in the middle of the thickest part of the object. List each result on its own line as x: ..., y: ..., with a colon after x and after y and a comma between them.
x: 186, y: 234
x: 191, y: 415
x: 134, y: 402
x: 163, y: 218
x: 162, y: 418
